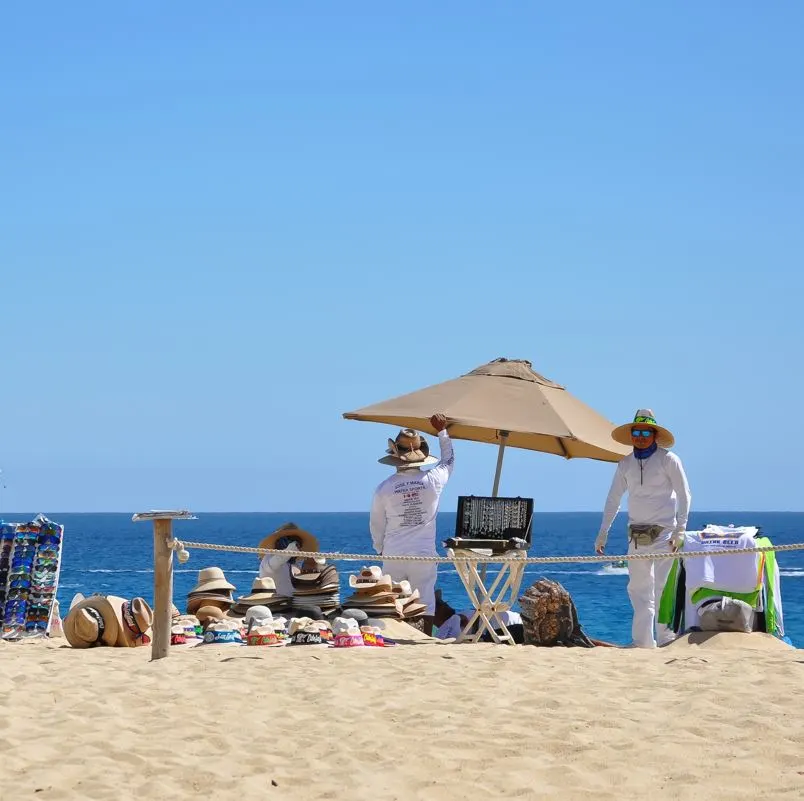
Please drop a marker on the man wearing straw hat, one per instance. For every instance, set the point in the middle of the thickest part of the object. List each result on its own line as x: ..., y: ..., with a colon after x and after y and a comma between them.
x: 658, y: 508
x: 405, y: 505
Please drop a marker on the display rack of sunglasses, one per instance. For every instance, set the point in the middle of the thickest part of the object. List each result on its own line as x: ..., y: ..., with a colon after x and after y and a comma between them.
x: 30, y: 563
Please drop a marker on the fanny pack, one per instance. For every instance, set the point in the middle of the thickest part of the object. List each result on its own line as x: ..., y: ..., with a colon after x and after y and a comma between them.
x: 644, y: 535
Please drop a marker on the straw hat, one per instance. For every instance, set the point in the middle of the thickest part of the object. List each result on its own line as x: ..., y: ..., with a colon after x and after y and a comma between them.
x: 262, y: 589
x: 312, y: 572
x: 409, y: 448
x: 135, y: 620
x: 643, y: 417
x: 290, y: 531
x: 93, y: 621
x: 211, y: 578
x: 194, y: 605
x: 206, y: 613
x: 370, y: 579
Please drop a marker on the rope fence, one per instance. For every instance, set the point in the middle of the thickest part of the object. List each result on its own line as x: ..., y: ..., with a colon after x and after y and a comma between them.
x: 166, y: 545
x: 463, y: 556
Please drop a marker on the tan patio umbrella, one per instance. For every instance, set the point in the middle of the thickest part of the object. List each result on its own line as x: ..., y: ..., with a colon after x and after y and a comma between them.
x: 507, y: 403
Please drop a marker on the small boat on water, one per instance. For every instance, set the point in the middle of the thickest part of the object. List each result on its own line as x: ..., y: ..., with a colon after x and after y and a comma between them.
x: 620, y: 564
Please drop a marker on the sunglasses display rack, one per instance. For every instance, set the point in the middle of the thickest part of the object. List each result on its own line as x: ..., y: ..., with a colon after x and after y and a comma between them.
x: 30, y: 562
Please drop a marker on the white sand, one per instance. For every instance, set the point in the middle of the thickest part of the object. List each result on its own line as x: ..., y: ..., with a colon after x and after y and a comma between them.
x: 720, y: 720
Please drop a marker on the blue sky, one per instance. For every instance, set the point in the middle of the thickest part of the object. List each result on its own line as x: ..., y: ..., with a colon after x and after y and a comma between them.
x: 223, y: 225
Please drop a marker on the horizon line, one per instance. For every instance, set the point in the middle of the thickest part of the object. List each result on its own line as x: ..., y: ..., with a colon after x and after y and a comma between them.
x: 365, y: 512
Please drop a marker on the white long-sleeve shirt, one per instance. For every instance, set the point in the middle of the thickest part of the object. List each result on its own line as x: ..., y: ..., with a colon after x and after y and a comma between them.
x: 658, y: 493
x: 404, y: 508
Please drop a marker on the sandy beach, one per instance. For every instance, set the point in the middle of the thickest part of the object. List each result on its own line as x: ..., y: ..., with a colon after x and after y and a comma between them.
x: 718, y: 719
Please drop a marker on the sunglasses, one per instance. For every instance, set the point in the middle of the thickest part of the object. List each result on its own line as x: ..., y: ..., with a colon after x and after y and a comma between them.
x: 642, y: 432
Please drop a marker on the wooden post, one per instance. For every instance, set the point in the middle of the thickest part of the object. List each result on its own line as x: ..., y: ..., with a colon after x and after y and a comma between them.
x: 163, y: 589
x: 163, y: 576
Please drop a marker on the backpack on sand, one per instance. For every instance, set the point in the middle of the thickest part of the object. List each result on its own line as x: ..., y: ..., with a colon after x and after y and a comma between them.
x: 549, y: 616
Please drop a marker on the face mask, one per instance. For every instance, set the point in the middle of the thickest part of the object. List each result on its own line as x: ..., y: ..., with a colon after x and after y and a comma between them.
x: 644, y: 453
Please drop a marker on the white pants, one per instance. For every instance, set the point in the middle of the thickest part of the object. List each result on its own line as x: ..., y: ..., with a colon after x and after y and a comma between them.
x: 421, y: 575
x: 646, y: 580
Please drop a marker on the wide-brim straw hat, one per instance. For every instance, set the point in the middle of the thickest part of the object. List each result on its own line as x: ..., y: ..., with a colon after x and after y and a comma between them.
x: 194, y: 604
x: 311, y: 573
x: 211, y: 578
x: 409, y: 448
x: 135, y: 621
x: 646, y: 418
x: 93, y: 621
x: 206, y: 613
x: 304, y: 539
x: 370, y: 579
x: 262, y: 588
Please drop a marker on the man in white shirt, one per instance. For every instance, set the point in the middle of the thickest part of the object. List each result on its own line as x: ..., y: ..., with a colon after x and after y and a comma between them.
x: 405, y: 505
x: 658, y: 508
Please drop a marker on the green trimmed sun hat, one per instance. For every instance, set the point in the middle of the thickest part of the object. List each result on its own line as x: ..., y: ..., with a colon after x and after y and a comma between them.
x: 644, y: 417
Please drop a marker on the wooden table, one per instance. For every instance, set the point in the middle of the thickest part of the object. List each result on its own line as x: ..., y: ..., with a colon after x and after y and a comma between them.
x: 489, y: 602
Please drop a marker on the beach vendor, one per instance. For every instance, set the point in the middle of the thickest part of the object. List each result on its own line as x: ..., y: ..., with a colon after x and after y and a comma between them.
x: 658, y: 508
x: 405, y: 505
x: 290, y: 539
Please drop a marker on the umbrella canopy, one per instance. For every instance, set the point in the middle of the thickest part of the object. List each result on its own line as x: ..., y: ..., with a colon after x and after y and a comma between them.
x: 505, y: 402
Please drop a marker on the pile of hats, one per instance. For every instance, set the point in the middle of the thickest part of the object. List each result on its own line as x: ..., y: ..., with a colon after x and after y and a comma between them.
x: 379, y: 596
x: 108, y: 620
x: 262, y: 628
x: 306, y: 631
x: 348, y: 634
x: 315, y: 583
x: 263, y: 593
x: 211, y: 589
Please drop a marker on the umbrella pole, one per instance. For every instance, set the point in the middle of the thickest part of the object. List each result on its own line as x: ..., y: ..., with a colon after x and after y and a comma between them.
x: 496, y: 488
x: 503, y: 441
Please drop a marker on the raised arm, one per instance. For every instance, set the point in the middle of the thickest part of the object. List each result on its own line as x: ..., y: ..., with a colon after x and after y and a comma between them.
x: 443, y: 470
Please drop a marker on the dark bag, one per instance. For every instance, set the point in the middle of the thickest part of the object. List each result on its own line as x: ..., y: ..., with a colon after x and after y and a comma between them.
x: 549, y: 616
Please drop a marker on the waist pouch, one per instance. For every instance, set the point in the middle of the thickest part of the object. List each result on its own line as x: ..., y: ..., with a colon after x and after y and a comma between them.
x: 644, y: 535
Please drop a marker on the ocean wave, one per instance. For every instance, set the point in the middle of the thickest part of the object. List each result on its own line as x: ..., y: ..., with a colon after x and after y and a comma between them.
x: 792, y: 573
x: 609, y: 570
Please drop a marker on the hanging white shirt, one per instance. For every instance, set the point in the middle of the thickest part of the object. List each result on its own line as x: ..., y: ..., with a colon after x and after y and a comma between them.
x: 734, y: 573
x: 404, y: 508
x: 658, y: 492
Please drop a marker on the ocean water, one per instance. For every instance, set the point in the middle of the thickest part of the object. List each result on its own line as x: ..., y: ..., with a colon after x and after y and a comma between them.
x: 108, y: 553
